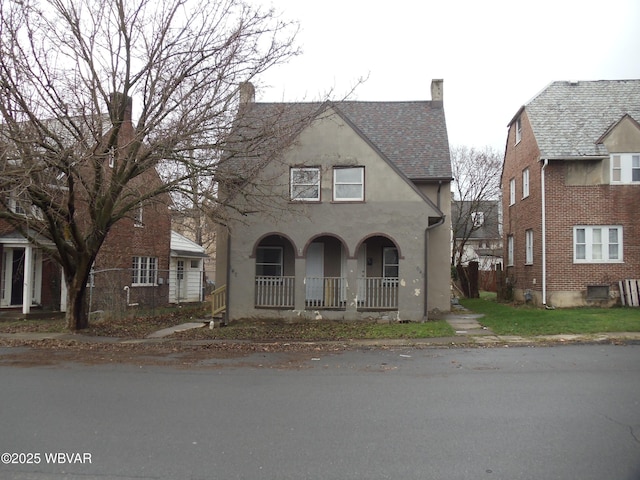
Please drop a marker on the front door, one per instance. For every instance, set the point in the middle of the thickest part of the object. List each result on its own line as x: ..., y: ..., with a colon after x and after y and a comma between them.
x: 315, y: 273
x: 17, y: 276
x: 362, y: 274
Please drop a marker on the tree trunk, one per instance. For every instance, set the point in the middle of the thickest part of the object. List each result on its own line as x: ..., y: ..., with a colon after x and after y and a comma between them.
x: 77, y: 316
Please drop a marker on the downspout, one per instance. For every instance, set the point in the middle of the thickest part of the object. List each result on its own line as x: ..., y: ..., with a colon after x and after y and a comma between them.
x: 227, y: 292
x: 544, y: 233
x: 426, y: 251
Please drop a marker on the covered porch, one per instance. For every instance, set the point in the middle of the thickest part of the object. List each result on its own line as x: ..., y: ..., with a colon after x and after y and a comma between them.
x: 326, y: 276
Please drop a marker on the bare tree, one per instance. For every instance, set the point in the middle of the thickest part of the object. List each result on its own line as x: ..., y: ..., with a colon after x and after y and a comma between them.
x: 476, y: 192
x: 69, y: 151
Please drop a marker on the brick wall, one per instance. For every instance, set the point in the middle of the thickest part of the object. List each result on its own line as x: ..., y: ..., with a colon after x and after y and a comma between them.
x: 566, y: 207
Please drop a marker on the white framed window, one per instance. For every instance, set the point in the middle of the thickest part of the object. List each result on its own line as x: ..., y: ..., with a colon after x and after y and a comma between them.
x: 477, y: 218
x: 512, y: 191
x: 305, y: 184
x: 510, y: 250
x: 138, y: 216
x: 528, y: 241
x: 269, y: 261
x: 518, y: 130
x: 525, y: 183
x: 625, y: 168
x: 348, y: 184
x: 144, y: 271
x: 390, y: 263
x: 597, y: 244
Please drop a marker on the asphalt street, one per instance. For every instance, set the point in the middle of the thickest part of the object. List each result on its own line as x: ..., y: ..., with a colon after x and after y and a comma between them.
x: 563, y: 412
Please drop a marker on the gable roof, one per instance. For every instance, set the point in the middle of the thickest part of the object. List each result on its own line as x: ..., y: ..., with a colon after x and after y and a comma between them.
x: 462, y: 218
x: 412, y: 135
x: 569, y: 118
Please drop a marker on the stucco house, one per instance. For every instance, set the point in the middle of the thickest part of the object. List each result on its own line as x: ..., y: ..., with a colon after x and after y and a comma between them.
x: 360, y: 221
x: 571, y: 190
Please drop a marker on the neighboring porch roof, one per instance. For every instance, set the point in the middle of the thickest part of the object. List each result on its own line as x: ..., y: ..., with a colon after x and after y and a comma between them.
x: 181, y: 246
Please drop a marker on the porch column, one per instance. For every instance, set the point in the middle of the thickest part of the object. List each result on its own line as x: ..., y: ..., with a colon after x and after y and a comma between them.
x: 300, y: 289
x: 351, y: 277
x: 28, y: 279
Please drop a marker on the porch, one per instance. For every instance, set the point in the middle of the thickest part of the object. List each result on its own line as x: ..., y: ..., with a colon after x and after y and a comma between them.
x: 326, y: 293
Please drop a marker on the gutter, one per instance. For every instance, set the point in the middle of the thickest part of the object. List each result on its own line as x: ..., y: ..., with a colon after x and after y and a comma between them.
x: 545, y: 162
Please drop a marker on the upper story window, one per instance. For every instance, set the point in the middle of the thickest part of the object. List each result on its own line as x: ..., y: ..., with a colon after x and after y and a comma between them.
x: 625, y: 168
x: 477, y: 218
x: 525, y: 183
x: 305, y: 184
x: 512, y: 191
x: 137, y: 220
x: 348, y: 184
x: 518, y: 130
x: 597, y: 244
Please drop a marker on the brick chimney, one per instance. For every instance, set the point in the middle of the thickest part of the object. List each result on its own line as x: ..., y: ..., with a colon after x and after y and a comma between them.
x: 247, y: 93
x: 116, y: 100
x: 436, y: 90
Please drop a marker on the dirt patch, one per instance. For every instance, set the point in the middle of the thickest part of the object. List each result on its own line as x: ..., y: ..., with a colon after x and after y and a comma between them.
x: 50, y: 352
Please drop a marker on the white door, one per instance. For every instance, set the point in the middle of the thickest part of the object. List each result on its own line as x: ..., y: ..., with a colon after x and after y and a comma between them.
x: 315, y: 272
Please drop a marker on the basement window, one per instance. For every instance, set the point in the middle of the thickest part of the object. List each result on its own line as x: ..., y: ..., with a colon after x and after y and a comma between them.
x: 597, y: 292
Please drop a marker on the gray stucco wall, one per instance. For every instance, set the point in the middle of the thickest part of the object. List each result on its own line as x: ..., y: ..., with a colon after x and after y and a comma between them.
x: 392, y: 209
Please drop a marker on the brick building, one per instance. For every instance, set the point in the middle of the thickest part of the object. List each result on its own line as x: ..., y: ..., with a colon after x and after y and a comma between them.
x: 132, y: 266
x: 571, y: 188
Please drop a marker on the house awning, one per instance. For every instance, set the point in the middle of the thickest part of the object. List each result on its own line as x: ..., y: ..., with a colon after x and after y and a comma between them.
x: 181, y: 246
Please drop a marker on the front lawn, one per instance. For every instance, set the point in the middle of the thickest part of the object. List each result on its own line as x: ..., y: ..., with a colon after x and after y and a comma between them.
x: 524, y: 320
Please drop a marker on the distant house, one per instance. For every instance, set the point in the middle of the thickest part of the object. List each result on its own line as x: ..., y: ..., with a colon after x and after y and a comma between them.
x: 476, y: 231
x: 363, y: 226
x: 571, y: 190
x: 186, y: 279
x: 132, y: 266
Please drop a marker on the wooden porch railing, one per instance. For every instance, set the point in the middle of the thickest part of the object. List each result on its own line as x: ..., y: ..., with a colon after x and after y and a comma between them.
x: 219, y: 300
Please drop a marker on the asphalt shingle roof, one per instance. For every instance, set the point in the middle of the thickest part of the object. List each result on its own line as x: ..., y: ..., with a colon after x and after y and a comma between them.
x: 412, y: 135
x: 568, y: 118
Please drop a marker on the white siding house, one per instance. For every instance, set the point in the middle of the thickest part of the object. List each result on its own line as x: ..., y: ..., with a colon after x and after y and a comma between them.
x: 186, y: 270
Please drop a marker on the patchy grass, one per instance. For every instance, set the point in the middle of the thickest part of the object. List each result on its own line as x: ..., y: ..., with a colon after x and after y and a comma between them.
x: 524, y: 320
x: 141, y: 323
x: 318, y: 331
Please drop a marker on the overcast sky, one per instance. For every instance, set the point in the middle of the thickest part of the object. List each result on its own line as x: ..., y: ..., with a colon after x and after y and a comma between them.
x: 493, y: 55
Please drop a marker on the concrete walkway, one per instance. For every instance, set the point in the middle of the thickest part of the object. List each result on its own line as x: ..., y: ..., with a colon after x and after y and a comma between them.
x: 165, y: 332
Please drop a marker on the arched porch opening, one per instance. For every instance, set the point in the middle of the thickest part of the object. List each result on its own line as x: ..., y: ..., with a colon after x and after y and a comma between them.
x: 275, y: 272
x: 325, y: 272
x: 378, y: 273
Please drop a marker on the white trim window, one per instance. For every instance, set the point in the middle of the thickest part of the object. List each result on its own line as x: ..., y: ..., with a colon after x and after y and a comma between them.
x: 625, y: 168
x: 138, y: 217
x: 348, y: 184
x: 269, y: 261
x: 525, y: 183
x: 144, y: 271
x: 512, y: 191
x: 510, y: 250
x: 305, y: 184
x: 518, y: 130
x: 528, y: 242
x: 597, y: 244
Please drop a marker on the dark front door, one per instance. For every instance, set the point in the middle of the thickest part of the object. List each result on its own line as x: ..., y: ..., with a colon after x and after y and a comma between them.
x: 17, y: 276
